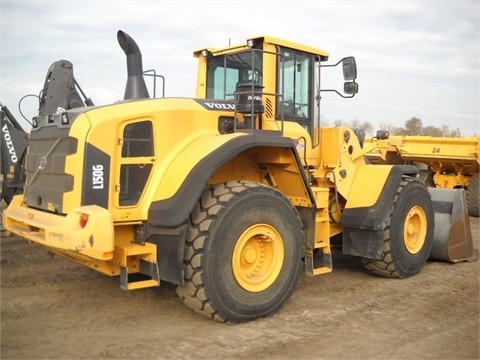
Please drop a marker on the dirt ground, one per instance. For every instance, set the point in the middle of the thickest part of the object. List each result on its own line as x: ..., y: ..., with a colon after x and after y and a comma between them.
x: 52, y: 308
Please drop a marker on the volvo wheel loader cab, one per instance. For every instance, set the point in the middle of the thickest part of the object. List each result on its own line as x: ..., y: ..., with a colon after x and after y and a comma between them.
x: 230, y: 195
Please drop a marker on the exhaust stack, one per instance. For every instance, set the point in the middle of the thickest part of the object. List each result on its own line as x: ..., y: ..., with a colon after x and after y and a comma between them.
x: 135, y: 88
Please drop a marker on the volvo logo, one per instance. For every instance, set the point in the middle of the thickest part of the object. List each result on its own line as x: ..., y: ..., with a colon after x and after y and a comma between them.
x: 9, y: 143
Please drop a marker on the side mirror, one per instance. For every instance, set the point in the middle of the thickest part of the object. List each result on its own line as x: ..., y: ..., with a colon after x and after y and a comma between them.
x: 349, y: 69
x: 350, y: 88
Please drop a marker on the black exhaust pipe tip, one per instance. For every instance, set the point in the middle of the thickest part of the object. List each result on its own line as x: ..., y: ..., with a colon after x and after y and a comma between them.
x: 135, y: 88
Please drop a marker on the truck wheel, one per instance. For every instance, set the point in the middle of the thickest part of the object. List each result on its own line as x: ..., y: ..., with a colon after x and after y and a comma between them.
x: 408, y: 236
x: 243, y: 254
x: 473, y: 198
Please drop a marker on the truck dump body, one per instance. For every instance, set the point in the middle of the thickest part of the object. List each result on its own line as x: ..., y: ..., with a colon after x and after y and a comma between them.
x: 444, y: 162
x: 439, y: 153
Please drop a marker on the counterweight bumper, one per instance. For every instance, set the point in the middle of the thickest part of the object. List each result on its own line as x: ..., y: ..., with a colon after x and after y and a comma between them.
x: 87, y: 230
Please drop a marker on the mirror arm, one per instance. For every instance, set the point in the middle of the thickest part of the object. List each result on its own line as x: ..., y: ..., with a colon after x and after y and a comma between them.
x: 332, y: 65
x: 343, y: 96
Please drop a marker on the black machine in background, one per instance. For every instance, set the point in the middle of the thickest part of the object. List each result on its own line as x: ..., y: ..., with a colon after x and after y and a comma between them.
x: 60, y: 92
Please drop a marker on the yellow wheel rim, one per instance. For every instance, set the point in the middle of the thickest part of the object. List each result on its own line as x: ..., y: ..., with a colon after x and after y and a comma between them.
x: 415, y: 229
x: 257, y: 257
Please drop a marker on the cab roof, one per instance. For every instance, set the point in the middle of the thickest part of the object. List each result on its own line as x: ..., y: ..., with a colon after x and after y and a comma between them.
x: 271, y: 40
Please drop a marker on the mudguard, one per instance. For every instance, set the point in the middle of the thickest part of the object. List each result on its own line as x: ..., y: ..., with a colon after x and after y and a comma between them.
x: 173, y: 212
x: 363, y: 222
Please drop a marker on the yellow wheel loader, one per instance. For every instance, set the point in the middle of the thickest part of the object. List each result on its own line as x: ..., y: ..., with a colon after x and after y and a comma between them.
x: 230, y: 195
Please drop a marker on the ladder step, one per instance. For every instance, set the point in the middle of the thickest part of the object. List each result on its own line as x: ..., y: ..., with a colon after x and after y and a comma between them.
x: 318, y: 263
x: 147, y: 269
x: 322, y: 270
x: 141, y: 284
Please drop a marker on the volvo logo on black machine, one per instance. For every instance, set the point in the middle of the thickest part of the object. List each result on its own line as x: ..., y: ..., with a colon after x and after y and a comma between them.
x: 9, y: 143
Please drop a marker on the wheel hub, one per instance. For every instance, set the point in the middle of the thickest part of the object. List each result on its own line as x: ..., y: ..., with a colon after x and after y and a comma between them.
x: 415, y: 229
x: 257, y: 257
x: 249, y: 255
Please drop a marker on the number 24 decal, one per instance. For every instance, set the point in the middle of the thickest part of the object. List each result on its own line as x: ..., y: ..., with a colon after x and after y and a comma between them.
x: 436, y: 150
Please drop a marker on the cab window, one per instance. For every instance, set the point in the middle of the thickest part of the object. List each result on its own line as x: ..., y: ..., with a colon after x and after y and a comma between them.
x: 297, y: 86
x: 224, y: 72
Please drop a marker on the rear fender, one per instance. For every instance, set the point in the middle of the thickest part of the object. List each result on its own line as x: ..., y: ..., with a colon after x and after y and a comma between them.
x: 174, y: 211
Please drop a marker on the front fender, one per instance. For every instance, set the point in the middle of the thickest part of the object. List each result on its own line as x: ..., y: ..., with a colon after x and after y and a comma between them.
x: 367, y: 210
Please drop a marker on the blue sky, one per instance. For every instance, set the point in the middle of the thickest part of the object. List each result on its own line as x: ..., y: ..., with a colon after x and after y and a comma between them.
x: 414, y: 58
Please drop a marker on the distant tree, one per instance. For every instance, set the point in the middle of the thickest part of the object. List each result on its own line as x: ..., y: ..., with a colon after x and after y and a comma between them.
x: 387, y: 126
x: 355, y: 124
x: 364, y: 125
x: 445, y: 130
x: 455, y: 133
x: 413, y: 126
x: 432, y: 131
x: 399, y: 131
x: 450, y: 133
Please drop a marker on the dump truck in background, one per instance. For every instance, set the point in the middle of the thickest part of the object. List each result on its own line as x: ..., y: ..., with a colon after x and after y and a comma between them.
x: 443, y: 162
x: 230, y: 195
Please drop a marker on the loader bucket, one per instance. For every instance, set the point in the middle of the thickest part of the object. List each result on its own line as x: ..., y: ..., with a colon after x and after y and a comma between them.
x: 452, y: 236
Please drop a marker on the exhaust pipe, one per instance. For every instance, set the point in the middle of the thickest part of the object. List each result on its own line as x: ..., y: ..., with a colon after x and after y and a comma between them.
x: 136, y: 88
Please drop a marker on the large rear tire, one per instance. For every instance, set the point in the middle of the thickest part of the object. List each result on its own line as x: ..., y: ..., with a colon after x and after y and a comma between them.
x: 473, y: 197
x: 408, y: 236
x: 243, y: 254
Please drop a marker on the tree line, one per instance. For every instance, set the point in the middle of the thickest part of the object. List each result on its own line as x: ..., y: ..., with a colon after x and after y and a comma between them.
x: 413, y: 126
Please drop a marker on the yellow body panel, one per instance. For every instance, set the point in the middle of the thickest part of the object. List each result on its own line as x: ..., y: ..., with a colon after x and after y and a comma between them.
x: 179, y: 145
x: 74, y: 162
x: 177, y: 164
x: 337, y: 163
x: 368, y: 185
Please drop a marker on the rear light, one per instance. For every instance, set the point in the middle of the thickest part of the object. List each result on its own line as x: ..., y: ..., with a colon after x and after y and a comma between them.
x: 83, y: 220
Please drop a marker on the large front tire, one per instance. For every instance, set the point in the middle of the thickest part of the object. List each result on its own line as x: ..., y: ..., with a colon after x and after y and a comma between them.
x: 408, y: 236
x: 243, y: 254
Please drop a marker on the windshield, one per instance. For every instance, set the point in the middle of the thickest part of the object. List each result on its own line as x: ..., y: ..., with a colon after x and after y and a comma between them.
x: 297, y: 87
x: 224, y: 72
